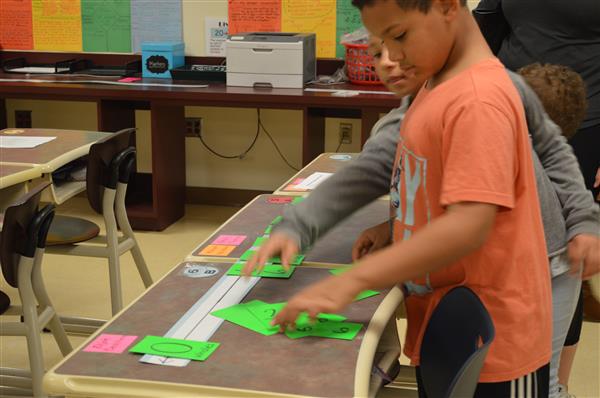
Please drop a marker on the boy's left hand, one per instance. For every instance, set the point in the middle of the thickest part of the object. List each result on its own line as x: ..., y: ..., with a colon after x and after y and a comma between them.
x: 584, y: 249
x: 330, y: 295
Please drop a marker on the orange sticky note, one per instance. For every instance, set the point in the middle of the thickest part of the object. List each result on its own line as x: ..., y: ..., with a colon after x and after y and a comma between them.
x: 217, y: 250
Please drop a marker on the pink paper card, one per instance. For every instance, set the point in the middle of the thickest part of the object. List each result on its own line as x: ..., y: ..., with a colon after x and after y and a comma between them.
x: 111, y: 343
x: 129, y: 79
x: 235, y: 240
x: 294, y: 185
x: 280, y: 199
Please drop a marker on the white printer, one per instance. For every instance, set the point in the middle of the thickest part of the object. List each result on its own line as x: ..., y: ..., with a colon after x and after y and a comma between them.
x: 284, y: 60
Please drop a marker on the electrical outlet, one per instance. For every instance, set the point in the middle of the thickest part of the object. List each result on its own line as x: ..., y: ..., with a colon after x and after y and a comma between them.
x: 346, y: 133
x: 193, y: 126
x: 23, y: 119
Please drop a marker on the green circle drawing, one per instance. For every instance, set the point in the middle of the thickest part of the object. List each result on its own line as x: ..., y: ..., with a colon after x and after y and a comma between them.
x: 171, y: 348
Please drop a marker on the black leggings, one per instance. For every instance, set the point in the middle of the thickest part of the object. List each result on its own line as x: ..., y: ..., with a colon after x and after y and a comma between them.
x: 586, y: 145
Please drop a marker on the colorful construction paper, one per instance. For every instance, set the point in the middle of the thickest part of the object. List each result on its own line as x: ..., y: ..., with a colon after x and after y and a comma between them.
x: 106, y: 25
x: 362, y: 295
x: 280, y: 199
x: 259, y: 241
x: 155, y: 21
x: 347, y: 21
x: 217, y: 250
x: 297, y: 200
x: 269, y: 271
x: 241, y: 315
x: 16, y: 28
x: 254, y: 16
x: 293, y: 186
x: 296, y: 260
x: 56, y: 25
x: 325, y: 328
x: 110, y: 343
x: 312, y: 16
x: 175, y: 348
x: 277, y: 219
x: 234, y: 240
x: 247, y: 255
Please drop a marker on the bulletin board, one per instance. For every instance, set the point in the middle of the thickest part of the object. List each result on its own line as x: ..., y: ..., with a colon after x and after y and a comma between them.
x: 120, y: 26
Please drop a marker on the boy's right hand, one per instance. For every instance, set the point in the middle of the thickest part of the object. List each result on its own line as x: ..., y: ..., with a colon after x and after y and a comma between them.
x: 278, y: 244
x: 371, y: 240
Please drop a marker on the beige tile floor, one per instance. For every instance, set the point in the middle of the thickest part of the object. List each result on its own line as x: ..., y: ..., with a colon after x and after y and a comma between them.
x: 79, y: 286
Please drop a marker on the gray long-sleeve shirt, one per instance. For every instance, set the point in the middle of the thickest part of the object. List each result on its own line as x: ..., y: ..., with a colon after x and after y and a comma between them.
x: 568, y: 209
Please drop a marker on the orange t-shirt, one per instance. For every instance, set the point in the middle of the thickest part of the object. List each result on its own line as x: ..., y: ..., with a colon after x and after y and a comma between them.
x: 466, y: 141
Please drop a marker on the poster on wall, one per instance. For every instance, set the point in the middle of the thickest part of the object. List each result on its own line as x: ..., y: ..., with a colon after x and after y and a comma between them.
x: 254, y: 16
x: 16, y: 30
x: 56, y: 25
x: 215, y: 35
x: 106, y: 25
x: 153, y: 21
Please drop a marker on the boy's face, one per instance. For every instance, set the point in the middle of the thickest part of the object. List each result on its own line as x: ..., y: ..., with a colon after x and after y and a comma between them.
x: 389, y: 72
x: 420, y: 43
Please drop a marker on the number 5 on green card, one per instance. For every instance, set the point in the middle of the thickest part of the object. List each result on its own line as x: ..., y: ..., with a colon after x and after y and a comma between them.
x: 175, y: 348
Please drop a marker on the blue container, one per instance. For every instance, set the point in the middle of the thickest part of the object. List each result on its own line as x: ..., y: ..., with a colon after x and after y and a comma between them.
x: 160, y: 57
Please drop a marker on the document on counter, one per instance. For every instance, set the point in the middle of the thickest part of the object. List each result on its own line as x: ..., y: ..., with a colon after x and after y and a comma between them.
x: 23, y: 142
x: 313, y: 180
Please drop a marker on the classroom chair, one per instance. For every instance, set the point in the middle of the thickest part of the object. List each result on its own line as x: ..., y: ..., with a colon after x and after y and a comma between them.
x: 455, y: 344
x: 110, y: 163
x: 22, y: 242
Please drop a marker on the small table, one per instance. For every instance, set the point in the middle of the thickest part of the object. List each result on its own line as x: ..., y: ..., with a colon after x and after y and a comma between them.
x: 246, y: 364
x: 46, y: 158
x: 329, y: 162
x: 335, y: 247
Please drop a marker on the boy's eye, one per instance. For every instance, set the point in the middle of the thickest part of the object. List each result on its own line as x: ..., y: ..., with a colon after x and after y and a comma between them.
x: 377, y: 55
x: 400, y: 37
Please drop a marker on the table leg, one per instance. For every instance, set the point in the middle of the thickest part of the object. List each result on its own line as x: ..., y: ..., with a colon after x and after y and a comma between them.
x: 168, y: 162
x: 3, y: 116
x: 369, y: 116
x: 313, y: 134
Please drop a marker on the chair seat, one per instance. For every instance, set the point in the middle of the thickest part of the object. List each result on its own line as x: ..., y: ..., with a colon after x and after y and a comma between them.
x: 66, y: 230
x: 4, y: 302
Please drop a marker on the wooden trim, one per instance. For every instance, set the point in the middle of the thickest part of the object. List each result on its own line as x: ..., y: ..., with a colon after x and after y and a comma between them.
x: 220, y: 196
x: 3, y: 115
x: 325, y: 66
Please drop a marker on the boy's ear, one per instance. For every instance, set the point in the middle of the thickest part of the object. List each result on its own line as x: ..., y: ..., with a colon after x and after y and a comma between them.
x: 448, y: 8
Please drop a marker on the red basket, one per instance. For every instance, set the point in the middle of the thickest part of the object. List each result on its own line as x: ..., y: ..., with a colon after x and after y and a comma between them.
x: 360, y: 65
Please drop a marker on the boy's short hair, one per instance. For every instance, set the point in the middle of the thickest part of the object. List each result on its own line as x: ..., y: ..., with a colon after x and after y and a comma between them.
x: 421, y: 5
x: 561, y: 91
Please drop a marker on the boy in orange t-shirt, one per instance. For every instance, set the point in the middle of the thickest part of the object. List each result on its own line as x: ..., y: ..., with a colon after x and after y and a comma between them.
x: 468, y: 212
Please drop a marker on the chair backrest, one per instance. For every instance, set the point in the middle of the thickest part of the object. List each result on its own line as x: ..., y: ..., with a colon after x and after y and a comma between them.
x: 104, y: 164
x: 23, y: 230
x: 455, y: 344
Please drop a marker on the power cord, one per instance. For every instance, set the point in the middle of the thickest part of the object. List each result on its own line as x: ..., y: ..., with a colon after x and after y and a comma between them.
x: 339, y: 146
x: 259, y: 125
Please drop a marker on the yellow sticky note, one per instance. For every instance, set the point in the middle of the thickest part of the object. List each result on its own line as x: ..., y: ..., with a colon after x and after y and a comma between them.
x: 56, y: 25
x: 318, y: 16
x: 217, y: 250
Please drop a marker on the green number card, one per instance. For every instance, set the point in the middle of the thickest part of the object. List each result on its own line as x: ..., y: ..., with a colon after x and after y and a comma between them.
x: 269, y: 270
x: 297, y: 260
x: 175, y: 348
x: 362, y: 295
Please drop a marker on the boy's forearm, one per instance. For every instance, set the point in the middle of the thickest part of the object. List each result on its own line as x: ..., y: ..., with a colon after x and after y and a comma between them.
x: 461, y: 230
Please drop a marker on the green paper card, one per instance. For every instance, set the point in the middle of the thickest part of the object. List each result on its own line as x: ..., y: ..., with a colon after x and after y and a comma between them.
x: 327, y: 329
x: 297, y: 260
x: 269, y: 271
x: 277, y: 220
x: 297, y: 200
x: 366, y: 294
x: 268, y: 230
x: 240, y: 315
x: 175, y: 348
x: 247, y: 255
x: 338, y: 271
x: 259, y: 241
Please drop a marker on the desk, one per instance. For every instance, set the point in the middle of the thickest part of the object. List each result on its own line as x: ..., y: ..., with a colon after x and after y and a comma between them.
x: 329, y: 162
x: 246, y: 364
x: 164, y: 202
x: 69, y: 145
x: 11, y: 174
x: 335, y: 247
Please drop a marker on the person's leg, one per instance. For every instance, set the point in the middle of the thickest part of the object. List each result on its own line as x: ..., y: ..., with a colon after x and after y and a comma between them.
x: 568, y: 353
x: 565, y: 291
